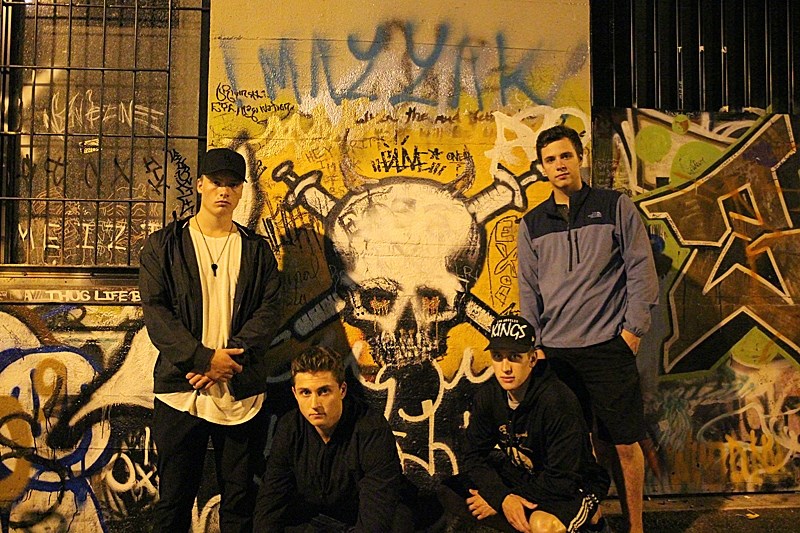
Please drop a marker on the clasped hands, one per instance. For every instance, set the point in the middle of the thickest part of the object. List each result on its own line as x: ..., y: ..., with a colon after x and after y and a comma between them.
x: 513, y: 508
x: 222, y: 367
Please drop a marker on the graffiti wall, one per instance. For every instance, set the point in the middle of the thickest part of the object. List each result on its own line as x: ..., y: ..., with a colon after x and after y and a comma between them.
x: 720, y: 194
x: 75, y: 390
x: 390, y: 156
x: 102, y: 117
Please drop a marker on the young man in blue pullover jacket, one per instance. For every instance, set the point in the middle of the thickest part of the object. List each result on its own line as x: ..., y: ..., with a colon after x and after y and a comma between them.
x: 587, y: 283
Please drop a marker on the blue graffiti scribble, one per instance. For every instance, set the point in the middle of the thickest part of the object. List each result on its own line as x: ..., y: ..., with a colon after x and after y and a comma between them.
x: 516, y: 77
x: 275, y: 69
x: 426, y: 64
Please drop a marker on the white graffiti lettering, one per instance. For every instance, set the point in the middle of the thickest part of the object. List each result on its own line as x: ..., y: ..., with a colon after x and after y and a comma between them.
x: 505, y: 329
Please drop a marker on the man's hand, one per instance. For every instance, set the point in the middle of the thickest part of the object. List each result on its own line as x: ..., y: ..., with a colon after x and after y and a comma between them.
x: 478, y: 506
x: 222, y: 366
x: 514, y: 508
x: 539, y: 353
x: 631, y: 340
x: 199, y: 381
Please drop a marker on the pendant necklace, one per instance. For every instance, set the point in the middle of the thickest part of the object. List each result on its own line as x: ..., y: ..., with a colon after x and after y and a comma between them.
x: 214, y: 264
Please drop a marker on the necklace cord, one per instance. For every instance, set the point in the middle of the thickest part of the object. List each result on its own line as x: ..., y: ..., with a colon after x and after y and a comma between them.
x: 214, y: 264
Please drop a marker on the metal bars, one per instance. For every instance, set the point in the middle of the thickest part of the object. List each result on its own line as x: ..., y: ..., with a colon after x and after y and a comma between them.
x: 696, y: 55
x: 95, y: 121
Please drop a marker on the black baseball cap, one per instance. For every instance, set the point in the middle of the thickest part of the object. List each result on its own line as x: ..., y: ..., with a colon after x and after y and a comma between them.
x: 224, y: 160
x: 512, y: 333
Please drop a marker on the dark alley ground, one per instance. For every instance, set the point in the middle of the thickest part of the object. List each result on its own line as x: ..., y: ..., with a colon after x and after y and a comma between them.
x: 765, y: 513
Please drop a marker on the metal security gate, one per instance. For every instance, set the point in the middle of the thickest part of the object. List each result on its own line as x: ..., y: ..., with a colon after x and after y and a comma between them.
x: 696, y: 55
x: 102, y: 108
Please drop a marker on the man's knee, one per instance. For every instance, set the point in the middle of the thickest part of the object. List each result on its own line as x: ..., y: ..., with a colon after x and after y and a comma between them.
x: 403, y: 520
x: 542, y: 522
x: 629, y: 453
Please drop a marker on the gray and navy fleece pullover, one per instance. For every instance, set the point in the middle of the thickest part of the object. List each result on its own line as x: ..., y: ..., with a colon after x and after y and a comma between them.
x: 582, y: 281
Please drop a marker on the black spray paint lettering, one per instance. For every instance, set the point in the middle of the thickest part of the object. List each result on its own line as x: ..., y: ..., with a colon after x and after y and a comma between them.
x: 254, y: 112
x: 226, y: 93
x: 397, y: 160
x: 183, y: 179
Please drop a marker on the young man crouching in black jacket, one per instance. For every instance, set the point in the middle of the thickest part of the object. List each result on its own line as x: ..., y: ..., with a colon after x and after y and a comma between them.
x: 528, y: 462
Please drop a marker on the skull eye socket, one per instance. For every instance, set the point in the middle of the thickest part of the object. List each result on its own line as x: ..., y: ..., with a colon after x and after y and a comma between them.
x: 433, y: 302
x: 379, y: 301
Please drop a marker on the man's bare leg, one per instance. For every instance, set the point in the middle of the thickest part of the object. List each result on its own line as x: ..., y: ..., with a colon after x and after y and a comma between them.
x: 626, y: 464
x: 631, y: 462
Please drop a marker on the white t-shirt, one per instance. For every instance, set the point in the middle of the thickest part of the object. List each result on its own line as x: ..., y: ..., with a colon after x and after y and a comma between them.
x: 216, y: 404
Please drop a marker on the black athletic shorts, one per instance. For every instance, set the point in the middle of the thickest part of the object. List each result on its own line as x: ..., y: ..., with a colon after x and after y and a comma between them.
x: 605, y: 379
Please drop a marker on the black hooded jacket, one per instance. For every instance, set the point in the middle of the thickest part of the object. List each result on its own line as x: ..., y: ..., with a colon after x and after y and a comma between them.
x: 172, y: 300
x: 544, y: 452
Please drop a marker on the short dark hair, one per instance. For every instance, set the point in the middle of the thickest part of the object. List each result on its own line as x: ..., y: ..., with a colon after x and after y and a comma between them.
x: 556, y: 133
x: 319, y: 359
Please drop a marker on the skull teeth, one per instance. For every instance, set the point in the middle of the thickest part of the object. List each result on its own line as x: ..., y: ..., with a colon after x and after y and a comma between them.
x: 403, y: 347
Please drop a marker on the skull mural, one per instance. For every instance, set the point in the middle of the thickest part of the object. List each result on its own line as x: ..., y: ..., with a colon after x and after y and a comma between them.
x: 409, y: 250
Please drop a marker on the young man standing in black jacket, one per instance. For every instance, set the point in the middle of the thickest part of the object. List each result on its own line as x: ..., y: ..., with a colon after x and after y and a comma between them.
x: 528, y: 464
x: 210, y: 296
x: 333, y: 463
